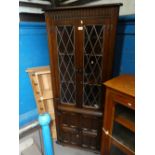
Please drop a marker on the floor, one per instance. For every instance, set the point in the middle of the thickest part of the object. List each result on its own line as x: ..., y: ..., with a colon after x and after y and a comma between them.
x: 64, y: 150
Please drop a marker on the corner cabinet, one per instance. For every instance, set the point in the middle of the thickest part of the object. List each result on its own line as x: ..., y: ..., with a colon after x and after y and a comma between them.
x: 81, y: 42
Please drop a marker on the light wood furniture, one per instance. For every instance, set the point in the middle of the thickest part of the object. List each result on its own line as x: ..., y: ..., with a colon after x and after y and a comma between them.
x: 81, y: 43
x: 119, y: 116
x: 41, y: 83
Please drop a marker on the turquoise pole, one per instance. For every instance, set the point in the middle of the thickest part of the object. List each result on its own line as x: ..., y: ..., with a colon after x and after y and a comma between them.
x: 44, y: 121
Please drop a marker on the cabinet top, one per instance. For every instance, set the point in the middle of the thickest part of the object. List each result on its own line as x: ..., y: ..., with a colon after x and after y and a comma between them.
x: 39, y: 70
x: 122, y: 83
x: 83, y: 7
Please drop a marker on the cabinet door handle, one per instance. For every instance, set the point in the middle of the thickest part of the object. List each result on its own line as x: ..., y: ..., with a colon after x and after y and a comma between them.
x: 129, y: 104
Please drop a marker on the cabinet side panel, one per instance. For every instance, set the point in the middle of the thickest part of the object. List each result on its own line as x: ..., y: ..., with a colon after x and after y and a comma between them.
x: 113, y: 27
x: 53, y: 66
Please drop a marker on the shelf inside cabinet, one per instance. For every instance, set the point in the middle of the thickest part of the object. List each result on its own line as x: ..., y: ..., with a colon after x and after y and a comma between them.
x: 125, y: 117
x: 125, y: 137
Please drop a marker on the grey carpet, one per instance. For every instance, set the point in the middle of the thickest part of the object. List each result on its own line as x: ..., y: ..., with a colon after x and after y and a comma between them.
x: 65, y: 150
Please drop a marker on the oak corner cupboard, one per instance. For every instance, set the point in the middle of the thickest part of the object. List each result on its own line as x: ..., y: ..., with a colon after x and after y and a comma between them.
x: 81, y: 44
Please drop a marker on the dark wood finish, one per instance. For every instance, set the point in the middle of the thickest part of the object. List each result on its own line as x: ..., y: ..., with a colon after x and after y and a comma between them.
x: 119, y: 110
x: 79, y: 70
x: 80, y: 111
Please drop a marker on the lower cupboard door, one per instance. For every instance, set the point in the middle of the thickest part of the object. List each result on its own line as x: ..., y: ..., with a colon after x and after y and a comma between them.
x: 90, y: 140
x: 70, y: 136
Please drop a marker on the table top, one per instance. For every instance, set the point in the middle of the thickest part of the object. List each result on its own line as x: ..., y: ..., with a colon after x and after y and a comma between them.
x: 123, y: 83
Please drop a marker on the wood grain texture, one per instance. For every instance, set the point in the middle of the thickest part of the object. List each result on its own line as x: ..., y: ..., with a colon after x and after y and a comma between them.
x: 119, y: 108
x: 41, y: 83
x: 123, y: 83
x: 79, y: 125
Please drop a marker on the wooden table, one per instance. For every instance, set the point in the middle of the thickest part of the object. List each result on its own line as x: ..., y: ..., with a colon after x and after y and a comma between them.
x: 119, y: 116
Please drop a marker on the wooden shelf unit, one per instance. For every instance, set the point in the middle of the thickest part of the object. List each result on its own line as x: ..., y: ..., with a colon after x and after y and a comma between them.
x: 119, y: 115
x: 40, y: 78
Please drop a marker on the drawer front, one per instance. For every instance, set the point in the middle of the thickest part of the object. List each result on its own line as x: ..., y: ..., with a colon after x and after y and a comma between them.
x: 125, y: 100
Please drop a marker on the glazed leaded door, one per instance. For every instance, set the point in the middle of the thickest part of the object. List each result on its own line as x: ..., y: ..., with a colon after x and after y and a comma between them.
x: 93, y: 59
x: 66, y: 63
x: 80, y: 64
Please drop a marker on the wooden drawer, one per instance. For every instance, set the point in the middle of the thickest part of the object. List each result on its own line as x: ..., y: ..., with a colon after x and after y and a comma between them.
x: 125, y: 100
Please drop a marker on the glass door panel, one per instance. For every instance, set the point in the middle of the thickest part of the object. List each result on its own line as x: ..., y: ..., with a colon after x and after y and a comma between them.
x: 93, y: 60
x: 123, y: 130
x: 92, y: 96
x: 66, y: 58
x: 124, y: 136
x: 116, y: 151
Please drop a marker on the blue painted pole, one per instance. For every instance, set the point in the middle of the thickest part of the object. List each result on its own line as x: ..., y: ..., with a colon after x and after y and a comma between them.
x: 44, y: 121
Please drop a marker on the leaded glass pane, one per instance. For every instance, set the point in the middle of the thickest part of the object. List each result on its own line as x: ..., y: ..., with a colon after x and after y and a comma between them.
x: 93, y: 56
x: 92, y: 95
x: 66, y: 50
